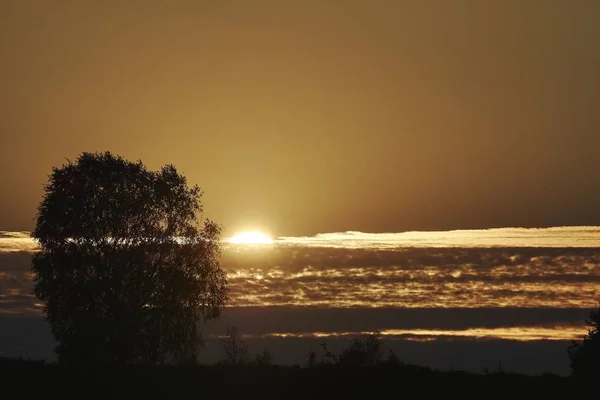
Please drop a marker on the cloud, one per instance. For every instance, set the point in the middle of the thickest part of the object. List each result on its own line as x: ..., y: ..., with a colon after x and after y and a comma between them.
x: 410, y: 277
x: 16, y: 241
x: 414, y: 277
x: 16, y: 284
x: 15, y: 235
x: 519, y: 333
x: 305, y: 320
x: 567, y: 236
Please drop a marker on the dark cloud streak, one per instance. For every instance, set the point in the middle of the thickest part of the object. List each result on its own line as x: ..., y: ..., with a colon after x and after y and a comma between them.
x: 253, y: 320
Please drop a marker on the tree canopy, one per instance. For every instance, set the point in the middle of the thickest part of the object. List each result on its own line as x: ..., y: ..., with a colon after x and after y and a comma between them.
x: 585, y: 355
x: 126, y: 270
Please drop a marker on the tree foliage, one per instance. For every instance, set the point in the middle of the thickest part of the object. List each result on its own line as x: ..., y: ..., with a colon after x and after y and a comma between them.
x: 585, y: 355
x: 126, y: 270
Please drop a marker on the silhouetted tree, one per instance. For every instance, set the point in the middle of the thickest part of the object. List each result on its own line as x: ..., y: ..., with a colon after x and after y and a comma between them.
x: 392, y: 359
x: 264, y: 358
x: 312, y: 359
x: 235, y: 349
x: 365, y: 350
x: 126, y: 271
x: 585, y: 355
x: 327, y: 357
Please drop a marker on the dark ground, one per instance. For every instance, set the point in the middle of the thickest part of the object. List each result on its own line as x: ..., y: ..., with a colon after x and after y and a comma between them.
x: 31, y: 379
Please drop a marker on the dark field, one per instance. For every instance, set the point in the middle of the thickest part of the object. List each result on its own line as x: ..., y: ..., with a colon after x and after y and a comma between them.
x: 38, y: 380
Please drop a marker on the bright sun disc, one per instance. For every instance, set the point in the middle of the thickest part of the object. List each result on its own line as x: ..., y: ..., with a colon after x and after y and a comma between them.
x: 251, y: 238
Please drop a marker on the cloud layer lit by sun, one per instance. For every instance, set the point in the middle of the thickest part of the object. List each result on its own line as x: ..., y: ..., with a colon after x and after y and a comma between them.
x: 549, y: 268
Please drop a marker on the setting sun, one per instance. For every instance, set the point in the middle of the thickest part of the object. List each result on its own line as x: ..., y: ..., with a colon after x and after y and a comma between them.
x: 251, y: 238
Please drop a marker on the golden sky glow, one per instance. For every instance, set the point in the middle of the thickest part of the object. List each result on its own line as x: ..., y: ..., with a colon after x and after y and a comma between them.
x: 315, y: 116
x: 572, y: 237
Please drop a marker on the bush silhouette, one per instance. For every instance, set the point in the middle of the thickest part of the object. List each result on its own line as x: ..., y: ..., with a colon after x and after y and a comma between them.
x: 585, y: 355
x: 126, y: 271
x: 365, y: 350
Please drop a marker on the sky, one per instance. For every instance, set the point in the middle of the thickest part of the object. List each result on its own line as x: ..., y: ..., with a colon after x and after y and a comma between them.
x: 428, y: 168
x: 305, y: 117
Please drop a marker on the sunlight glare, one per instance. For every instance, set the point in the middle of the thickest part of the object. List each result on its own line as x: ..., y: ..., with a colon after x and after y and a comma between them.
x: 251, y: 238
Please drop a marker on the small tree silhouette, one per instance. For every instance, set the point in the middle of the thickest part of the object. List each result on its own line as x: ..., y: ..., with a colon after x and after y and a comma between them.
x: 585, y: 355
x: 235, y: 349
x: 264, y: 358
x: 392, y: 359
x: 311, y: 362
x: 327, y: 357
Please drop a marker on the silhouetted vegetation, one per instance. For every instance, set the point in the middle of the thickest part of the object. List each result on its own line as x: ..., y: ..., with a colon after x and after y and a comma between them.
x: 360, y: 370
x: 393, y: 359
x: 235, y: 349
x: 275, y: 382
x: 263, y: 358
x: 126, y: 271
x: 363, y: 351
x: 585, y: 355
x: 311, y: 362
x: 327, y: 357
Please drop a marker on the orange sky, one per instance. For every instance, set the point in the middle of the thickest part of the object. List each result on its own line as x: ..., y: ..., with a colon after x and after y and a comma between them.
x: 298, y: 117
